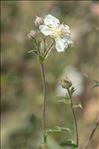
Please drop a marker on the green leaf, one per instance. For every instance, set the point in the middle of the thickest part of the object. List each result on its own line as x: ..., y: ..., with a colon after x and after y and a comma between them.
x: 77, y: 106
x: 72, y: 90
x: 64, y: 99
x: 69, y: 143
x: 58, y: 129
x: 64, y: 129
x: 96, y: 84
x: 33, y: 51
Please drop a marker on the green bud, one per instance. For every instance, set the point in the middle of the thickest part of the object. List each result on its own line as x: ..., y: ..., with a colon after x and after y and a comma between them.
x: 66, y: 83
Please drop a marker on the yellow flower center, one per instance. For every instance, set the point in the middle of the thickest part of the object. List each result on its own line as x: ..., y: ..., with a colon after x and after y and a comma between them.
x: 58, y: 32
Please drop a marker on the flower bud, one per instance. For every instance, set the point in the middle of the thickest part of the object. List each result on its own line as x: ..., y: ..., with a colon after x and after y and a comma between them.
x: 66, y: 83
x: 31, y: 34
x: 38, y: 21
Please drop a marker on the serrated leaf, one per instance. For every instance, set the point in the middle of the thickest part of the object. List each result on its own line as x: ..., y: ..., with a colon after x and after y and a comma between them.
x: 58, y: 129
x: 69, y: 143
x: 78, y: 106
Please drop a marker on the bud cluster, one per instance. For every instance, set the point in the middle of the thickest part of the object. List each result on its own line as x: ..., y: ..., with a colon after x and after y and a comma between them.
x: 38, y: 21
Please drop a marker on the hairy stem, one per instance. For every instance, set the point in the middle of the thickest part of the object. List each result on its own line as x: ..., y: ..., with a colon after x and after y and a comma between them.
x: 91, y: 134
x: 75, y: 120
x: 44, y: 103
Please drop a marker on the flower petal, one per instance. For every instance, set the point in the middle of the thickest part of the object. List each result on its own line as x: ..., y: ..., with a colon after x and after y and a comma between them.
x: 67, y: 30
x: 45, y: 30
x: 68, y: 39
x: 60, y: 45
x: 51, y: 21
x: 66, y: 45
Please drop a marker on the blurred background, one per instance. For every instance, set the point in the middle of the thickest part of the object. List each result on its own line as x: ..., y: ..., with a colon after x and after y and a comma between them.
x: 21, y: 86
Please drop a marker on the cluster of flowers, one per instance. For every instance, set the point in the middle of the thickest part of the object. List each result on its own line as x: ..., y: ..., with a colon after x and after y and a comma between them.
x: 50, y: 26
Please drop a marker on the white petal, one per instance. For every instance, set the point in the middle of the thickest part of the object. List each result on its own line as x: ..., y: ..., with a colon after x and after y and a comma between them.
x: 68, y: 40
x: 66, y: 45
x: 45, y: 30
x: 66, y: 29
x: 60, y: 45
x: 51, y: 21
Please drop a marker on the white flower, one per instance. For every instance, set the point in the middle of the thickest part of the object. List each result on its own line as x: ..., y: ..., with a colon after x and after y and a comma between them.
x: 59, y: 32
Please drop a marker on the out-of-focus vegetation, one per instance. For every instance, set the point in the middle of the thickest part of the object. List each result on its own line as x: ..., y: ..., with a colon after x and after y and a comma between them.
x: 21, y: 87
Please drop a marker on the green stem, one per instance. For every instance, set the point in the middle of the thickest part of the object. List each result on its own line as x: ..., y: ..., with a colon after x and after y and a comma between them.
x: 44, y: 103
x: 91, y: 134
x: 48, y: 50
x: 75, y: 120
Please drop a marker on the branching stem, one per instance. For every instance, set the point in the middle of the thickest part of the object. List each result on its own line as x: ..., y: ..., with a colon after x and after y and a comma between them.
x: 49, y: 49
